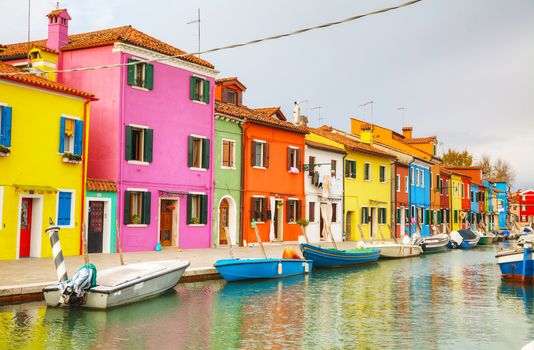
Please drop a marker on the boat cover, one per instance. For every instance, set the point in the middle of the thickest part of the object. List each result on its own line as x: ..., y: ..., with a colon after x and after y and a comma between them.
x: 123, y: 274
x: 467, y: 234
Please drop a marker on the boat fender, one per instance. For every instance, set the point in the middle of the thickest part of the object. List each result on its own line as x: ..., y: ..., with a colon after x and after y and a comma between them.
x: 360, y: 244
x: 290, y: 253
x: 306, y: 267
x: 279, y: 267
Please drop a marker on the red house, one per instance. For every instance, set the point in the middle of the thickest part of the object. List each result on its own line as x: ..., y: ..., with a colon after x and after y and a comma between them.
x: 401, y: 199
x: 443, y: 185
x: 526, y: 206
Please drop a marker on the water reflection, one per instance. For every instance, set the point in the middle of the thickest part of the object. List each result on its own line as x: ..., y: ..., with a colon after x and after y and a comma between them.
x: 454, y: 299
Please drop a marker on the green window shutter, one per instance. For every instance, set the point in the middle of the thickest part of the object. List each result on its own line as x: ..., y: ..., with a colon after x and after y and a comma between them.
x: 205, y: 153
x: 398, y: 216
x: 127, y: 196
x: 149, y: 138
x: 204, y: 209
x: 353, y: 165
x: 347, y: 168
x: 131, y: 72
x: 128, y: 149
x: 145, y: 216
x: 189, y: 207
x: 206, y: 91
x: 192, y: 88
x: 149, y: 76
x: 190, y: 151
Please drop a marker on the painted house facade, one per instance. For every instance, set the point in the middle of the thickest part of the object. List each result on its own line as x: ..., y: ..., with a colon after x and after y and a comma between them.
x: 101, y: 216
x: 142, y: 137
x: 229, y: 117
x: 321, y: 157
x: 443, y: 183
x: 501, y: 189
x: 419, y: 172
x: 455, y: 195
x: 402, y: 199
x: 526, y: 207
x: 42, y: 161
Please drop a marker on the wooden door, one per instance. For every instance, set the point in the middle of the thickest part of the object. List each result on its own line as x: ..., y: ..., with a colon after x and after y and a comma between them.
x: 224, y: 217
x: 165, y: 230
x: 25, y: 227
x: 95, y: 232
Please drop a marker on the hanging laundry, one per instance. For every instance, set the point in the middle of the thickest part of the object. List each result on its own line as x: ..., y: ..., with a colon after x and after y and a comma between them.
x: 326, y: 186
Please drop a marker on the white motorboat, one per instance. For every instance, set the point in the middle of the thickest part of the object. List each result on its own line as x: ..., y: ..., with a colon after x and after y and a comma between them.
x: 434, y: 243
x: 394, y: 250
x: 126, y: 284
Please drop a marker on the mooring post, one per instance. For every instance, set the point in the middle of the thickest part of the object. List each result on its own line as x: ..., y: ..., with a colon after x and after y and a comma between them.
x: 61, y: 269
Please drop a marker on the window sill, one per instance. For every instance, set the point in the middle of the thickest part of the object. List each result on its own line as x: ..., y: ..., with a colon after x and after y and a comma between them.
x: 136, y: 225
x: 199, y: 102
x: 4, y: 154
x: 65, y: 226
x: 259, y: 167
x: 138, y: 162
x: 196, y: 225
x: 197, y: 169
x: 228, y: 167
x: 260, y: 222
x: 67, y: 160
x: 139, y: 88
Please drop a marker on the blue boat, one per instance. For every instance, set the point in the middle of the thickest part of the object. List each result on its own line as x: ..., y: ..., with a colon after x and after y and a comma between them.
x: 248, y: 269
x: 517, y: 264
x: 322, y: 257
x: 463, y: 239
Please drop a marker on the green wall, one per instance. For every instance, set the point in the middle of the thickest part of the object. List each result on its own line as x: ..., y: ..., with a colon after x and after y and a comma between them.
x: 113, y: 212
x: 227, y: 181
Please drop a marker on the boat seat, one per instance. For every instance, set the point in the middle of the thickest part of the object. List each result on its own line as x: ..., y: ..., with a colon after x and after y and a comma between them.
x: 123, y: 274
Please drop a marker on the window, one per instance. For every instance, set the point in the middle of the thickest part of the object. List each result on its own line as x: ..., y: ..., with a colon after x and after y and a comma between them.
x: 440, y: 184
x: 397, y: 183
x: 258, y: 208
x: 139, y: 144
x: 447, y: 187
x: 382, y: 212
x: 70, y: 135
x: 417, y: 177
x: 382, y: 173
x: 334, y: 212
x: 422, y: 178
x: 456, y: 216
x: 523, y: 207
x: 65, y: 208
x: 523, y: 218
x: 367, y: 172
x: 428, y: 217
x: 406, y: 184
x: 463, y: 189
x: 468, y: 192
x: 5, y: 126
x: 412, y: 214
x: 365, y: 215
x: 293, y: 159
x: 141, y: 74
x: 137, y: 207
x: 197, y: 209
x: 311, y: 211
x: 230, y: 96
x: 333, y: 167
x: 199, y: 152
x: 260, y: 154
x: 228, y: 149
x: 397, y: 216
x: 412, y: 176
x: 350, y: 169
x: 293, y: 210
x: 199, y: 89
x: 407, y: 216
x: 430, y: 180
x: 473, y: 195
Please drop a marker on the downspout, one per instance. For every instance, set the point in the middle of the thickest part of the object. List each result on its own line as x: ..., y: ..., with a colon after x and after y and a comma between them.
x: 410, y: 171
x: 344, y: 223
x: 244, y: 128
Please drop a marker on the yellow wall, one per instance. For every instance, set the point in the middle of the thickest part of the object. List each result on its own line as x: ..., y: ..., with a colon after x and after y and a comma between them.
x: 35, y: 161
x: 455, y: 196
x: 359, y: 193
x: 46, y: 61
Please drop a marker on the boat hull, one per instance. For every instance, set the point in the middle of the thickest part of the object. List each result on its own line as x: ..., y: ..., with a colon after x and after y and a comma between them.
x: 248, y: 269
x: 396, y: 251
x: 434, y: 244
x: 337, y: 258
x: 516, y: 265
x: 485, y: 240
x: 466, y: 244
x: 137, y: 289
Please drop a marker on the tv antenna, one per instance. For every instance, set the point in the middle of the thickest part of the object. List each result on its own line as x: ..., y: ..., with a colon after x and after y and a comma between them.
x: 198, y: 22
x: 403, y: 109
x: 320, y: 119
x: 364, y: 105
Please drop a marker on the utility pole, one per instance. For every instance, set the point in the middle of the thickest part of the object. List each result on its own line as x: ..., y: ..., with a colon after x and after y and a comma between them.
x: 198, y: 22
x: 320, y: 119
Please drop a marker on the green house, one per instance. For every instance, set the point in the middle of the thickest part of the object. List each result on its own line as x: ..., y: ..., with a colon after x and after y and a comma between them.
x: 101, y: 216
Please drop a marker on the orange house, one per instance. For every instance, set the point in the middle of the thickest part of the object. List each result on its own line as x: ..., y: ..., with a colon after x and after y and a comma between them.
x: 273, y: 176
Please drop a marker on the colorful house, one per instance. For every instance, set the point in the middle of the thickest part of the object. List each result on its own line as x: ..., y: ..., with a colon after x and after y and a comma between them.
x: 273, y: 177
x: 419, y: 196
x: 490, y: 199
x: 152, y: 128
x: 43, y: 161
x: 101, y: 216
x: 526, y: 207
x: 402, y: 199
x: 367, y: 184
x: 324, y: 158
x: 501, y: 189
x: 230, y: 114
x: 456, y: 204
x: 443, y: 183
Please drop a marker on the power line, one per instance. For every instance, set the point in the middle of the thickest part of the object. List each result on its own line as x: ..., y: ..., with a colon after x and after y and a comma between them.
x: 233, y: 46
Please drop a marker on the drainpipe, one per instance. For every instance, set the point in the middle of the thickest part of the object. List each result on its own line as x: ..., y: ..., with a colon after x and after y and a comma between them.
x: 244, y: 129
x: 410, y: 171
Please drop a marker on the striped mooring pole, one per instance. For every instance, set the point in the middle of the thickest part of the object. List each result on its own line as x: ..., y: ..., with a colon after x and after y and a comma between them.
x: 61, y: 270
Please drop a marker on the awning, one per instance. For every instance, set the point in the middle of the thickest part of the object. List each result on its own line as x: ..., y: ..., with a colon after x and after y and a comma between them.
x: 372, y: 201
x: 172, y: 194
x: 36, y: 188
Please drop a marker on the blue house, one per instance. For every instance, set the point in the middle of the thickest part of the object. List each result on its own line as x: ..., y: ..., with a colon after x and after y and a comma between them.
x: 490, y: 211
x: 502, y: 202
x: 474, y: 204
x: 419, y: 195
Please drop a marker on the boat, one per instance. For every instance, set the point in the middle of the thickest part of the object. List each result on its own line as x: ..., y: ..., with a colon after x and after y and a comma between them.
x: 394, y: 250
x: 266, y: 268
x: 124, y: 284
x: 332, y: 257
x: 486, y: 238
x: 517, y: 264
x: 434, y: 244
x: 463, y: 239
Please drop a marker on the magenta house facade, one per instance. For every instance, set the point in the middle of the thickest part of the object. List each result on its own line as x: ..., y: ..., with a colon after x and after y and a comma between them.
x: 151, y: 131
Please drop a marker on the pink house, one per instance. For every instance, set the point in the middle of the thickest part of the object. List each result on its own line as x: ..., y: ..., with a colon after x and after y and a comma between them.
x: 151, y: 130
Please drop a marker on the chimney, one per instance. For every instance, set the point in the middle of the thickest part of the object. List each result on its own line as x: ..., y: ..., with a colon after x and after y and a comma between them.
x: 366, y: 134
x: 303, y: 121
x: 296, y: 112
x: 58, y: 29
x: 407, y: 132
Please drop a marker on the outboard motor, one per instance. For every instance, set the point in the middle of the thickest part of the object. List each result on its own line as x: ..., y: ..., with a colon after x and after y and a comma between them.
x: 456, y: 239
x: 73, y: 291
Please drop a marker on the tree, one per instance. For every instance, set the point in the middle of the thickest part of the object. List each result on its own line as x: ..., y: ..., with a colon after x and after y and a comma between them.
x: 487, y: 167
x: 456, y: 158
x: 503, y: 170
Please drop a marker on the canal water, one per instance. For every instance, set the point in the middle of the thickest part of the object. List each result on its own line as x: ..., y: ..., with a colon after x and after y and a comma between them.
x: 441, y: 301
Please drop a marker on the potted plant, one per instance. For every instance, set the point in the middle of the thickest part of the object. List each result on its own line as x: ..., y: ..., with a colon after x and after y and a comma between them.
x: 303, y: 222
x: 136, y: 219
x: 195, y: 220
x: 72, y: 158
x: 4, y: 151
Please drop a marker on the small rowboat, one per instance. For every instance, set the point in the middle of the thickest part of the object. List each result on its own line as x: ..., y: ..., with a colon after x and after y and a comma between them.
x: 486, y: 238
x: 463, y: 239
x: 126, y: 284
x: 393, y: 251
x: 434, y: 244
x: 322, y: 257
x: 248, y: 269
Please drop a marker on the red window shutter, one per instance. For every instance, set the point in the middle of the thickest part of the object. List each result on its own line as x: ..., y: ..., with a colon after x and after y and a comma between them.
x: 266, y: 155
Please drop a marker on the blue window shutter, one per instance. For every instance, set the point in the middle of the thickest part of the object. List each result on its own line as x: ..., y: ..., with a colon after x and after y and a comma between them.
x: 2, y: 131
x: 64, y: 208
x: 61, y: 135
x: 5, y: 132
x: 78, y: 137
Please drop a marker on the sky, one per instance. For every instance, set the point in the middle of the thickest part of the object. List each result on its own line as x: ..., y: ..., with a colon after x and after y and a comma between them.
x: 462, y: 69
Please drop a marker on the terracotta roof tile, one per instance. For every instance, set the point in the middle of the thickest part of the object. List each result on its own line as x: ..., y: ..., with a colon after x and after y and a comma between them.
x: 126, y: 34
x: 498, y: 179
x: 464, y: 167
x: 56, y: 12
x: 324, y: 146
x: 223, y: 80
x: 264, y: 119
x: 101, y: 185
x: 232, y: 110
x: 32, y: 79
x: 269, y: 111
x: 420, y: 140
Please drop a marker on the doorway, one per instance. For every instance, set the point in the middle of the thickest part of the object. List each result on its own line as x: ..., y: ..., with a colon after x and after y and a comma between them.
x: 373, y: 222
x: 95, y: 232
x: 30, y: 224
x: 25, y: 227
x: 279, y: 220
x: 348, y: 226
x: 402, y: 222
x: 224, y: 221
x: 166, y: 222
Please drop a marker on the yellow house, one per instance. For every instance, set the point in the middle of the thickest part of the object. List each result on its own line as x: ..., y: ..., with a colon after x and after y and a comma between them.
x: 43, y: 129
x: 367, y: 184
x: 455, y: 197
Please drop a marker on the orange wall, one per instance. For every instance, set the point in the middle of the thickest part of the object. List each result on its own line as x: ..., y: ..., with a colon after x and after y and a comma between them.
x: 219, y: 89
x: 435, y: 198
x: 273, y: 181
